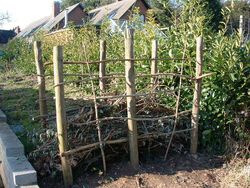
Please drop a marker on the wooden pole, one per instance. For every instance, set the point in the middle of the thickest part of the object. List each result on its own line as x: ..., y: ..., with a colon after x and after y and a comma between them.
x: 197, y: 95
x: 241, y: 29
x: 131, y: 102
x: 41, y: 82
x: 61, y: 114
x: 102, y: 65
x: 154, y: 63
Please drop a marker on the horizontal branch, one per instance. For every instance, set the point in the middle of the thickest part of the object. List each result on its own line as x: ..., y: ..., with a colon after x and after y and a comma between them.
x: 136, y: 119
x: 120, y: 75
x: 164, y: 74
x: 122, y: 140
x: 115, y: 60
x: 203, y: 76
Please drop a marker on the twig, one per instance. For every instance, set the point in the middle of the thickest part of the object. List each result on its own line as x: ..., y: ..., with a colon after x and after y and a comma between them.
x: 177, y: 105
x: 97, y: 121
x: 136, y: 119
x: 121, y: 140
x: 117, y: 60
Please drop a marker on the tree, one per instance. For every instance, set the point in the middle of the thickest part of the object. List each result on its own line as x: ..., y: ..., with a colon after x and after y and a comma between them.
x: 163, y: 10
x: 167, y: 10
x: 88, y: 4
x: 238, y: 8
x: 4, y: 17
x: 212, y: 10
x: 67, y: 3
x: 215, y: 7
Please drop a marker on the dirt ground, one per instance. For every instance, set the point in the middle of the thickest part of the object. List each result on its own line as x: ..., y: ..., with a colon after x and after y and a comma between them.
x: 178, y: 171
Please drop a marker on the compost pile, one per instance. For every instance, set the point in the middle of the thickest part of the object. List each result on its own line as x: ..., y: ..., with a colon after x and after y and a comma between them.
x: 82, y: 131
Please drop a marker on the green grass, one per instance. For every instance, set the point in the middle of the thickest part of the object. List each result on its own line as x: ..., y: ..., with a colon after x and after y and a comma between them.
x: 18, y: 94
x: 19, y: 101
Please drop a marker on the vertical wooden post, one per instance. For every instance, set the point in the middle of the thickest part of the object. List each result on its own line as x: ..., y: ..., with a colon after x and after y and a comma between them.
x: 61, y: 114
x: 197, y: 95
x: 131, y: 101
x: 241, y: 29
x: 41, y: 82
x: 102, y: 65
x: 154, y: 56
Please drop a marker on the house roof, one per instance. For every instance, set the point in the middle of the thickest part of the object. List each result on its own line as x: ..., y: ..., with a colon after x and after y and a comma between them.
x: 54, y: 21
x: 33, y: 27
x: 6, y: 35
x: 46, y: 23
x: 115, y: 10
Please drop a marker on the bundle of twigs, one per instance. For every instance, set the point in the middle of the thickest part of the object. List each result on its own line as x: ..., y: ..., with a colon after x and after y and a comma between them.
x: 82, y: 131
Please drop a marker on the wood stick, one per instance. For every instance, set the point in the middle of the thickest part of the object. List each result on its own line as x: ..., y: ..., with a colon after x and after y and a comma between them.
x: 94, y: 75
x: 119, y: 141
x: 81, y: 75
x: 176, y: 120
x: 154, y: 63
x: 97, y: 121
x: 137, y: 76
x: 134, y: 95
x: 136, y: 119
x: 41, y: 82
x: 61, y: 114
x: 204, y: 75
x: 197, y: 95
x: 164, y: 74
x: 115, y: 60
x: 241, y: 29
x: 47, y: 63
x: 131, y: 101
x: 102, y: 66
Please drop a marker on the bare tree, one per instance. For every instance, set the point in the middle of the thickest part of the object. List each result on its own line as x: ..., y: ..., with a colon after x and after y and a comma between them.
x: 4, y: 17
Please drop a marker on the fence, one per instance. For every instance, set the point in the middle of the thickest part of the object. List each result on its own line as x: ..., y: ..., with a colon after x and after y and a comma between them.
x: 131, y: 97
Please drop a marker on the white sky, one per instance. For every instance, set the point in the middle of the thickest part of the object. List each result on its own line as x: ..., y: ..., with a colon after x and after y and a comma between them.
x: 23, y: 12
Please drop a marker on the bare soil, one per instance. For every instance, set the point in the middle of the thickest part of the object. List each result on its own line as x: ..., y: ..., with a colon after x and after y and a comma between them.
x: 178, y: 171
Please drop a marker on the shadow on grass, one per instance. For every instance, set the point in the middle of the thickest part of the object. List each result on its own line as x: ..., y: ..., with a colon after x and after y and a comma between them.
x: 21, y: 106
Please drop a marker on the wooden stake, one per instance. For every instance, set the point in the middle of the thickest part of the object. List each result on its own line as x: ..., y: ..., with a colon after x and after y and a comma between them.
x: 154, y: 62
x: 102, y: 65
x: 241, y: 29
x: 61, y: 114
x: 41, y: 82
x: 197, y: 95
x: 131, y: 102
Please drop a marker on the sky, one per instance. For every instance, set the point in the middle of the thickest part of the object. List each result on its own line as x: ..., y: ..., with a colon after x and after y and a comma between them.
x: 23, y: 12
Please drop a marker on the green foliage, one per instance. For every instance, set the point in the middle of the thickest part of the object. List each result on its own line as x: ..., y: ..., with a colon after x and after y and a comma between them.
x: 215, y: 7
x: 67, y: 3
x: 163, y: 10
x: 237, y: 8
x: 18, y: 55
x: 226, y: 93
x: 88, y: 4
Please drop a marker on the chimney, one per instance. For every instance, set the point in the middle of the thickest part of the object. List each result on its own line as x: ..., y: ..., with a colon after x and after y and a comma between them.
x: 17, y: 30
x: 66, y: 18
x: 55, y: 9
